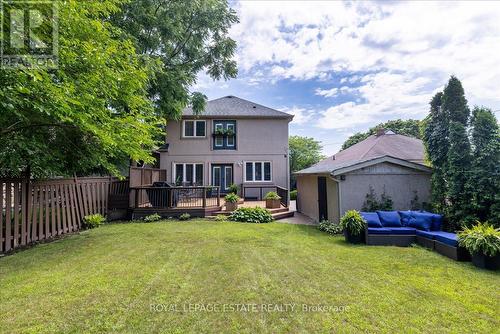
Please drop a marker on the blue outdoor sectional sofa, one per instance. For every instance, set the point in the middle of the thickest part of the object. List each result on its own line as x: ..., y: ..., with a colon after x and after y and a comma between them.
x: 403, y: 228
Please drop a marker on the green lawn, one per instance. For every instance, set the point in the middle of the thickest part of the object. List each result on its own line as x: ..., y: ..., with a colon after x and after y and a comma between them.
x: 125, y: 277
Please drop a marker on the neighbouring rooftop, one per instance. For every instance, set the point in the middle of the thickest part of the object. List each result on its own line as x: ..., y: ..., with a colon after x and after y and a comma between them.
x: 386, y: 144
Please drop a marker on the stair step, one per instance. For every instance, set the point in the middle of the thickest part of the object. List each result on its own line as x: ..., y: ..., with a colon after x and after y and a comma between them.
x: 225, y: 213
x: 277, y: 210
x: 282, y: 215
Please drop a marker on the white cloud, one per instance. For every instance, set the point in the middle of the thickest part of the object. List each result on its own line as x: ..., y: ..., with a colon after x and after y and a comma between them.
x: 301, y: 115
x: 327, y: 92
x: 408, y: 49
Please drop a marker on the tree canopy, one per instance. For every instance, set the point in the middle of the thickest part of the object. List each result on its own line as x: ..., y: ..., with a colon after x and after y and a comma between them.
x: 465, y: 156
x: 184, y: 38
x: 410, y: 127
x: 86, y: 115
x: 304, y: 152
x: 123, y: 67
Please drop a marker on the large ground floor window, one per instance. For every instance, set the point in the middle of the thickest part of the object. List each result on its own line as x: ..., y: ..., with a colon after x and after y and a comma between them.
x: 258, y: 171
x: 188, y: 174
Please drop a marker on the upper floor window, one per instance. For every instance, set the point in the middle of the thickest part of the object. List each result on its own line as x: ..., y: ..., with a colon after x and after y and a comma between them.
x: 193, y: 129
x: 224, y: 135
x: 258, y: 171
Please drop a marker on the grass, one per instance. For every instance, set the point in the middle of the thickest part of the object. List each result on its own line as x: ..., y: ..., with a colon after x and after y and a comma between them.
x: 139, y: 277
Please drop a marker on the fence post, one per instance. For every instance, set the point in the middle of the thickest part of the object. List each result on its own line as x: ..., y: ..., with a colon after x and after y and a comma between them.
x: 218, y: 196
x: 204, y: 204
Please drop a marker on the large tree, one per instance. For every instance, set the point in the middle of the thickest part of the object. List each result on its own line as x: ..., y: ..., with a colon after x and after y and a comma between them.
x: 484, y: 181
x: 304, y: 152
x: 86, y: 115
x: 410, y: 127
x: 454, y: 104
x: 184, y: 38
x: 435, y: 136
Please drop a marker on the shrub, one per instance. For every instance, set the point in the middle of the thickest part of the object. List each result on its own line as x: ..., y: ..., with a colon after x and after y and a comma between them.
x: 272, y: 195
x: 152, y: 218
x: 221, y: 218
x: 185, y: 216
x: 371, y: 203
x: 92, y: 221
x: 232, y: 198
x: 251, y: 215
x: 352, y: 223
x: 481, y: 239
x: 329, y: 227
x: 293, y: 195
x: 385, y: 202
x: 233, y: 188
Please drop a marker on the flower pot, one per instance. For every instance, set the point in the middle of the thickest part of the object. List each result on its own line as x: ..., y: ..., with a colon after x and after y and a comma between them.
x: 486, y: 262
x: 273, y: 203
x: 354, y: 239
x: 231, y: 206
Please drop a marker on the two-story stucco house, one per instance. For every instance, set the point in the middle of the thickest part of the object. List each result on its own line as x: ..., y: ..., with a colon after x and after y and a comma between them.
x: 233, y: 141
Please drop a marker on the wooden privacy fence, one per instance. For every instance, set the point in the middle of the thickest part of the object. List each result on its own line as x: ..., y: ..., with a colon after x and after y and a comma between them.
x: 143, y: 176
x: 32, y: 211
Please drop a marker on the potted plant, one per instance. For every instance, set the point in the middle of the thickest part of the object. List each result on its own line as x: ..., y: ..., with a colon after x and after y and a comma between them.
x: 483, y: 242
x: 353, y: 226
x: 219, y: 132
x: 233, y: 188
x: 231, y: 201
x: 273, y: 200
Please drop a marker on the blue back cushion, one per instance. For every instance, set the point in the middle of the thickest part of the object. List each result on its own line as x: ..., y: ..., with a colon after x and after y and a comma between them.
x: 421, y: 221
x: 405, y: 217
x: 389, y: 218
x: 437, y: 220
x: 371, y: 218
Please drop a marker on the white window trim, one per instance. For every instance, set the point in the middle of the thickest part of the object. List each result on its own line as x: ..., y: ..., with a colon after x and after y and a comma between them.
x: 195, y: 122
x: 226, y: 185
x: 232, y: 138
x: 253, y: 171
x: 174, y: 171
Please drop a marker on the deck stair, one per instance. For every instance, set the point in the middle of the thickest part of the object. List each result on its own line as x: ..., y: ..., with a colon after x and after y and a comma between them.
x: 277, y: 214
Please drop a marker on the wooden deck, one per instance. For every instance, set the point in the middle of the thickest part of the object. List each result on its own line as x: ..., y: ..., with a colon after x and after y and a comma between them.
x: 196, y: 201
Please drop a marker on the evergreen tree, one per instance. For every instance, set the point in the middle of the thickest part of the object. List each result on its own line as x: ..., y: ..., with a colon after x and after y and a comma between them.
x: 485, y: 177
x: 459, y: 162
x: 435, y: 136
x: 459, y: 154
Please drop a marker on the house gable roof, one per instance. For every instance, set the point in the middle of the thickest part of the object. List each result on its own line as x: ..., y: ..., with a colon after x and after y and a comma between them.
x: 232, y: 106
x: 392, y: 147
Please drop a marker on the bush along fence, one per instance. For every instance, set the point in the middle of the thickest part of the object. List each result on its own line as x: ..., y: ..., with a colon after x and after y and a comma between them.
x: 33, y: 211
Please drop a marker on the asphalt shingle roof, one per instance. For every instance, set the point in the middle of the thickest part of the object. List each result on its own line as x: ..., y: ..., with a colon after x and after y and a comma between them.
x: 232, y: 106
x: 388, y: 144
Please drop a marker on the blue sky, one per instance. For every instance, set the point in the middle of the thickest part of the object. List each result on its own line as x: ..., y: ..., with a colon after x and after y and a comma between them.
x: 342, y: 67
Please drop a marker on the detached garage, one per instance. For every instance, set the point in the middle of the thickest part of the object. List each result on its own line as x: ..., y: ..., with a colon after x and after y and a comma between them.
x: 385, y: 162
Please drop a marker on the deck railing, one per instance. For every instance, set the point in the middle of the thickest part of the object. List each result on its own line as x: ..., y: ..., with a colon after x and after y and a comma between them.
x: 175, y: 197
x: 260, y: 191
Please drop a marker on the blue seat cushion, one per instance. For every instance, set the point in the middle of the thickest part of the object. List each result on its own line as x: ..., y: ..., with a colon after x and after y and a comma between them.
x: 421, y: 221
x: 405, y: 217
x: 441, y: 236
x: 379, y: 230
x: 426, y: 234
x: 389, y: 218
x: 371, y: 218
x: 447, y: 238
x: 403, y: 230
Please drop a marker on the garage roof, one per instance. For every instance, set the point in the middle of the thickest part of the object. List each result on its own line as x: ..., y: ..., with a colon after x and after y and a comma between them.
x: 397, y: 148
